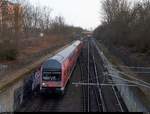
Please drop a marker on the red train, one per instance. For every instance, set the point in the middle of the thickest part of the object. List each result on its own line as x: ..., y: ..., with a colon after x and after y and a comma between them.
x: 56, y: 71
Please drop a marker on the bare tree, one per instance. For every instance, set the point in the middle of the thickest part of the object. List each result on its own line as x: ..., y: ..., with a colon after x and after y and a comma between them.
x: 126, y: 25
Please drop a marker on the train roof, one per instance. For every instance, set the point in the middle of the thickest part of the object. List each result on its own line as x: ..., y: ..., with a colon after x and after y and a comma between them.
x: 77, y: 43
x: 52, y: 64
x: 56, y: 61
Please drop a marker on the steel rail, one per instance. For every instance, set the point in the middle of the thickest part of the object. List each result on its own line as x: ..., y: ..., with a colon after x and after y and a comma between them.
x: 99, y: 88
x: 97, y: 100
x: 88, y: 78
x: 99, y: 105
x: 115, y: 93
x: 119, y: 103
x: 83, y: 88
x: 86, y: 90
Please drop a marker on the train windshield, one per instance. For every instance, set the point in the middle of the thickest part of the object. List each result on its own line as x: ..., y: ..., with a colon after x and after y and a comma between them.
x: 51, y: 76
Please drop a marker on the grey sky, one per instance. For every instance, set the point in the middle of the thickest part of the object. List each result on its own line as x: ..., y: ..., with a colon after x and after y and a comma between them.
x: 84, y: 13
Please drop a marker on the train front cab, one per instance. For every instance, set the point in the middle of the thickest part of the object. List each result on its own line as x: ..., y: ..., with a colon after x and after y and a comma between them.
x: 51, y: 81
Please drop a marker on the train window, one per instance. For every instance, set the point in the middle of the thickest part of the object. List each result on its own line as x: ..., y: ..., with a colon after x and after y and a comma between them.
x: 52, y: 76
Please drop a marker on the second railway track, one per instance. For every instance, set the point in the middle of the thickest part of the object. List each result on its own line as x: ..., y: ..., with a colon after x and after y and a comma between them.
x: 97, y: 98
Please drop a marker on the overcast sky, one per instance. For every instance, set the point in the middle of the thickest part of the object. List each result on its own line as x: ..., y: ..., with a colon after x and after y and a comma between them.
x: 84, y: 13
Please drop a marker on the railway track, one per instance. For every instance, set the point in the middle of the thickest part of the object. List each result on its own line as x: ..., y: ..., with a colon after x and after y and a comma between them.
x: 117, y: 104
x: 84, y: 73
x: 97, y: 98
x: 98, y: 91
x: 90, y: 103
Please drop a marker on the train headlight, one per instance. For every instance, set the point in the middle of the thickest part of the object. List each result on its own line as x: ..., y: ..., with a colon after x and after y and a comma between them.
x: 62, y: 89
x: 44, y: 84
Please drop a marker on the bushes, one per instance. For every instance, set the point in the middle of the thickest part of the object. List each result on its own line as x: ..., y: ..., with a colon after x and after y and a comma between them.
x: 9, y: 54
x: 8, y: 51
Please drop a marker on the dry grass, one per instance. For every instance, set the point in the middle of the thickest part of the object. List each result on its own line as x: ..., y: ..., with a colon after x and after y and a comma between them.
x: 29, y: 46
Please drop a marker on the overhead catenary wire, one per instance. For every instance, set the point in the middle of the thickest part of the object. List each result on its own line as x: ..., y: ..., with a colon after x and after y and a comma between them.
x: 95, y: 84
x: 133, y: 77
x: 131, y: 67
x: 147, y: 69
x: 88, y: 77
x: 133, y: 82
